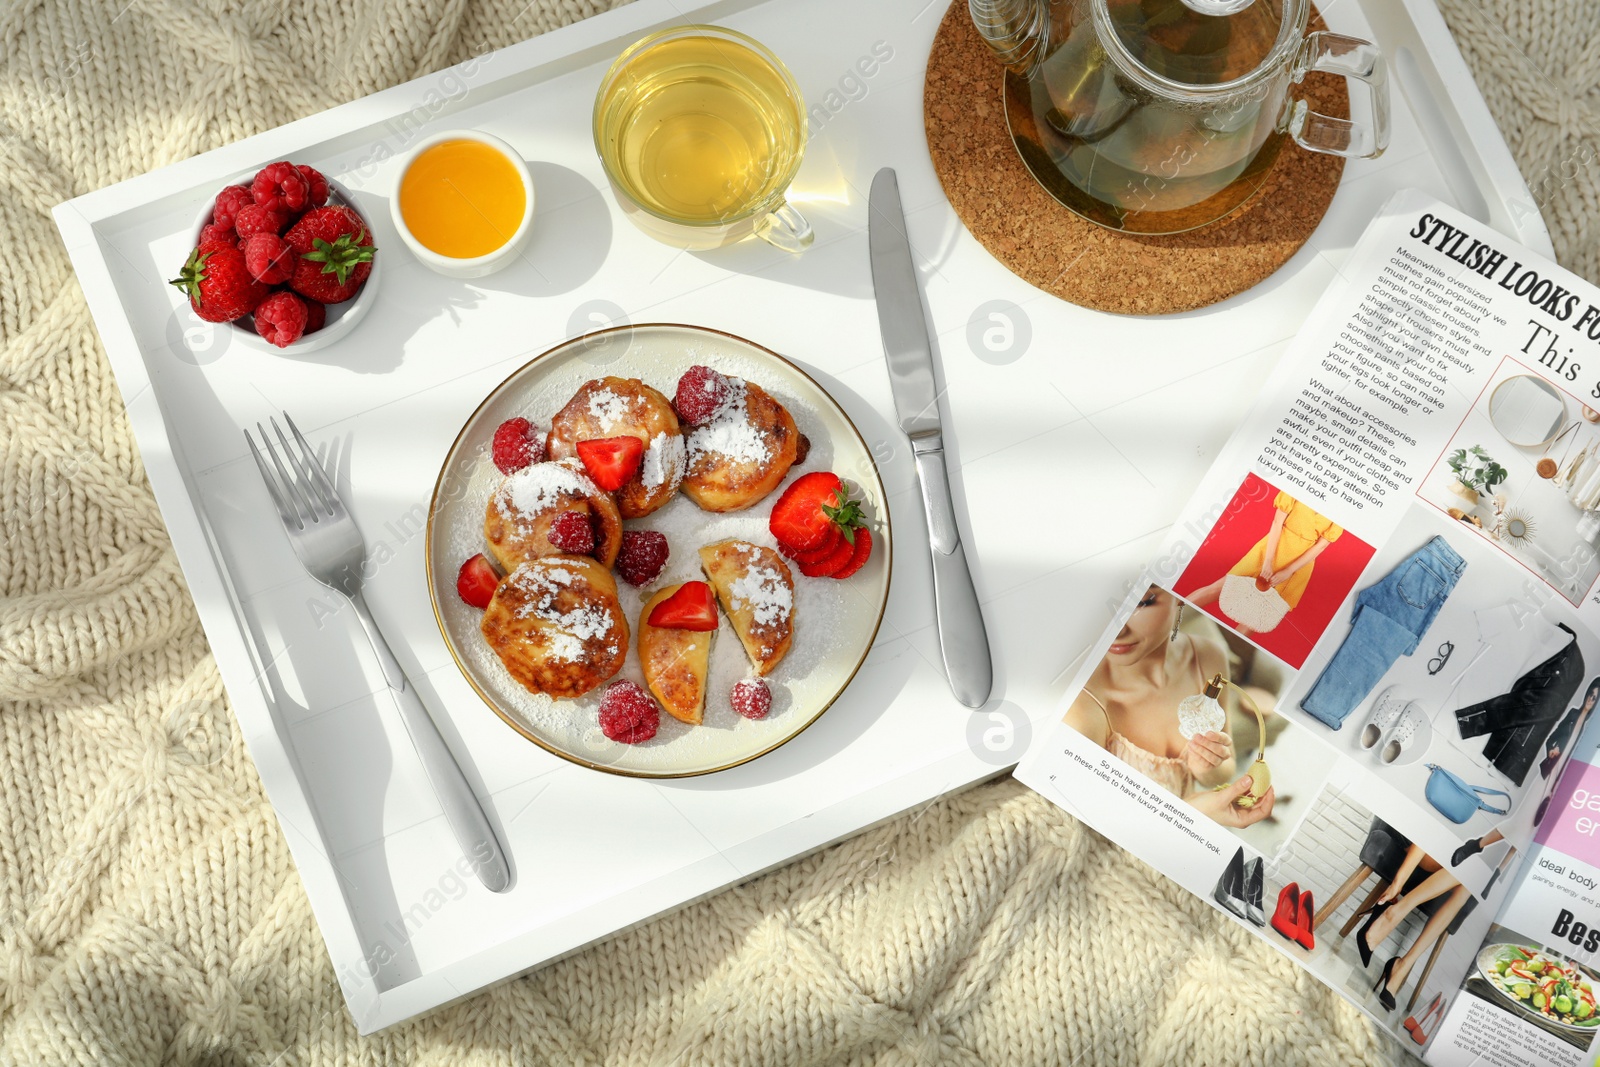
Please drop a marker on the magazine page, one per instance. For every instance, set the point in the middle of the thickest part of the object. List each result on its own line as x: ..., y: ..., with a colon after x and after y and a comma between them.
x: 1337, y: 700
x: 1531, y: 989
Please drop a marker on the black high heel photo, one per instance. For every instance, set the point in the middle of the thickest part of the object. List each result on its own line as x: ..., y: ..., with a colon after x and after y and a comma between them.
x: 1362, y: 946
x: 1466, y: 851
x: 1385, y: 997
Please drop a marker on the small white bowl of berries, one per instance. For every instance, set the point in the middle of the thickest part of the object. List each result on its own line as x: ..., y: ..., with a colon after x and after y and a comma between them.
x: 283, y: 258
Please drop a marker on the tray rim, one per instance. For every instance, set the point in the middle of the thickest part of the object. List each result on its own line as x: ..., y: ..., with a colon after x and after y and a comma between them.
x: 511, y: 721
x: 80, y: 219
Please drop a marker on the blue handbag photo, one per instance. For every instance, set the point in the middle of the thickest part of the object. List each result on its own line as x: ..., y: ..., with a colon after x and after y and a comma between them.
x: 1458, y: 800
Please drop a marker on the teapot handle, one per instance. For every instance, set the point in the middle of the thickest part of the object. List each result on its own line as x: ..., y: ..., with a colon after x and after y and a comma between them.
x: 1334, y: 53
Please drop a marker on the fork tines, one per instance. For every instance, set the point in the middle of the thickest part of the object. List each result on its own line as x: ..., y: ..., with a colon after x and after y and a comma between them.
x: 305, y: 496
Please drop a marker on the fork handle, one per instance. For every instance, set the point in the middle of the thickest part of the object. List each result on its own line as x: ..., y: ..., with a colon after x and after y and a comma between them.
x: 461, y: 808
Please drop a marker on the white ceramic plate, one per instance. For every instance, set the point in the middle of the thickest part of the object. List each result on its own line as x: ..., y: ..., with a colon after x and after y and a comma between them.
x: 835, y: 621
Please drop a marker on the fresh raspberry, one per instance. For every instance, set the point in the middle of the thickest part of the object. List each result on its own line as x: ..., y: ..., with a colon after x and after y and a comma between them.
x: 269, y: 258
x: 643, y: 554
x: 751, y: 698
x: 281, y: 318
x: 802, y: 449
x: 281, y: 187
x: 701, y: 394
x: 253, y: 218
x: 212, y: 232
x: 229, y: 201
x: 316, y: 183
x: 570, y: 532
x: 316, y: 315
x: 517, y: 444
x: 628, y: 714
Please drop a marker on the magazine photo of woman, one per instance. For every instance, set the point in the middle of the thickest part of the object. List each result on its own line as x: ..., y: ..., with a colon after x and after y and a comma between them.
x: 1285, y: 557
x: 1130, y: 708
x: 1558, y: 746
x: 1273, y: 568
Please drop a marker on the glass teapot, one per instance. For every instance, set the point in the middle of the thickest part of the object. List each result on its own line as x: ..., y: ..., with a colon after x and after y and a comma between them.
x: 1158, y: 116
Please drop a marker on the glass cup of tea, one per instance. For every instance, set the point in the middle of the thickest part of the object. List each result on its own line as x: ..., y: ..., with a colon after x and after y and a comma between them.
x: 701, y: 130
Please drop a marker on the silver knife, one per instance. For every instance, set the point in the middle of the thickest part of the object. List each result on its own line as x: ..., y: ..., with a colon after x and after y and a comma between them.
x: 963, y: 641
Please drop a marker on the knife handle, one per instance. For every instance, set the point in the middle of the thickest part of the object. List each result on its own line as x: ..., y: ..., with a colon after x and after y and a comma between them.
x: 963, y: 640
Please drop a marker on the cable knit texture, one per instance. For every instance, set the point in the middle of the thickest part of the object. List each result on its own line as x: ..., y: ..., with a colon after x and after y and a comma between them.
x: 149, y: 910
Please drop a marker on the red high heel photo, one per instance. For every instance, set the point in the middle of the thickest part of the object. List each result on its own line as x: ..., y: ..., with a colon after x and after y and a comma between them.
x: 1419, y: 1028
x: 1286, y: 917
x: 1306, y: 916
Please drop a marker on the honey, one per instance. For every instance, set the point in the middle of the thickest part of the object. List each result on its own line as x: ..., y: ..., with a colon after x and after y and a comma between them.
x: 462, y: 199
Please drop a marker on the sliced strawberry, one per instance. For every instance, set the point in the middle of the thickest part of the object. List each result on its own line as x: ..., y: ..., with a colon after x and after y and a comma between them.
x: 858, y: 558
x: 611, y: 461
x: 477, y: 581
x: 829, y: 565
x: 692, y: 607
x: 828, y: 547
x: 797, y: 519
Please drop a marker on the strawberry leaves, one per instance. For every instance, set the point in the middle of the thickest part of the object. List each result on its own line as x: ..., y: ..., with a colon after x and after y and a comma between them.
x: 340, y: 257
x: 846, y: 514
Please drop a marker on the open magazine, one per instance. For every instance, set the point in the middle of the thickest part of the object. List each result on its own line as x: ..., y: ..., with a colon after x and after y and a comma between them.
x: 1350, y: 703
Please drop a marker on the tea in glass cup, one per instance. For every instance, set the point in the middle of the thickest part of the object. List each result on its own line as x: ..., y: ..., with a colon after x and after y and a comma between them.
x: 701, y: 130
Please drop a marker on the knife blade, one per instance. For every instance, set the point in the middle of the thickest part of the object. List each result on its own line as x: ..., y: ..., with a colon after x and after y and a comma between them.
x: 963, y: 639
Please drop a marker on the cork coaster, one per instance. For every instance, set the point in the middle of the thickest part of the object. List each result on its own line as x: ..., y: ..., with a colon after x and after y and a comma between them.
x: 1047, y: 245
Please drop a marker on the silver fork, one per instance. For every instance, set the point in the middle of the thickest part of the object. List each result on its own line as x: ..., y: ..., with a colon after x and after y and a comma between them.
x: 330, y: 547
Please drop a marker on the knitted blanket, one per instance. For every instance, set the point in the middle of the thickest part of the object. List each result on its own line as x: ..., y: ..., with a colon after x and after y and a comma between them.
x: 149, y: 910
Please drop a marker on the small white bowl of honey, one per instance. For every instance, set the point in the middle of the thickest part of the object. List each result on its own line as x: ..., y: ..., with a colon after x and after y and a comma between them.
x: 464, y: 203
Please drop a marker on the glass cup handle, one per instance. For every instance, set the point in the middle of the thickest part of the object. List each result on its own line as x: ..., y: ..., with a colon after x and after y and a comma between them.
x: 1334, y: 53
x: 785, y: 228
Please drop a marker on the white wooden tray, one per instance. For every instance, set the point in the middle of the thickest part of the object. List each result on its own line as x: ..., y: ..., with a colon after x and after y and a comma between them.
x: 1074, y: 436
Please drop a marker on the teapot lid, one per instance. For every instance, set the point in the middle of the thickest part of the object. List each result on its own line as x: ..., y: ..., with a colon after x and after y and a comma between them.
x: 1201, y: 42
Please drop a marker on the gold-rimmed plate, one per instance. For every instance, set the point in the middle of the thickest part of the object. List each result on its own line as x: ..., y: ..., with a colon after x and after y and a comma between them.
x: 835, y: 622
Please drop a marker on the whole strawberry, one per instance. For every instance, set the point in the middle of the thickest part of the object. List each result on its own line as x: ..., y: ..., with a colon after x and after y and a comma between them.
x: 316, y: 316
x: 219, y: 286
x: 335, y: 250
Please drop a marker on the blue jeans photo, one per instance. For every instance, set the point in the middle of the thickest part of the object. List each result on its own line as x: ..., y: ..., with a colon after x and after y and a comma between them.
x: 1389, y: 620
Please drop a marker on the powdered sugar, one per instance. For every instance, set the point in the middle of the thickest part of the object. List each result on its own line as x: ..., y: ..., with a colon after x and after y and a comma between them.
x: 536, y: 489
x: 729, y: 435
x: 664, y: 461
x: 609, y: 408
x: 765, y: 593
x: 567, y: 632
